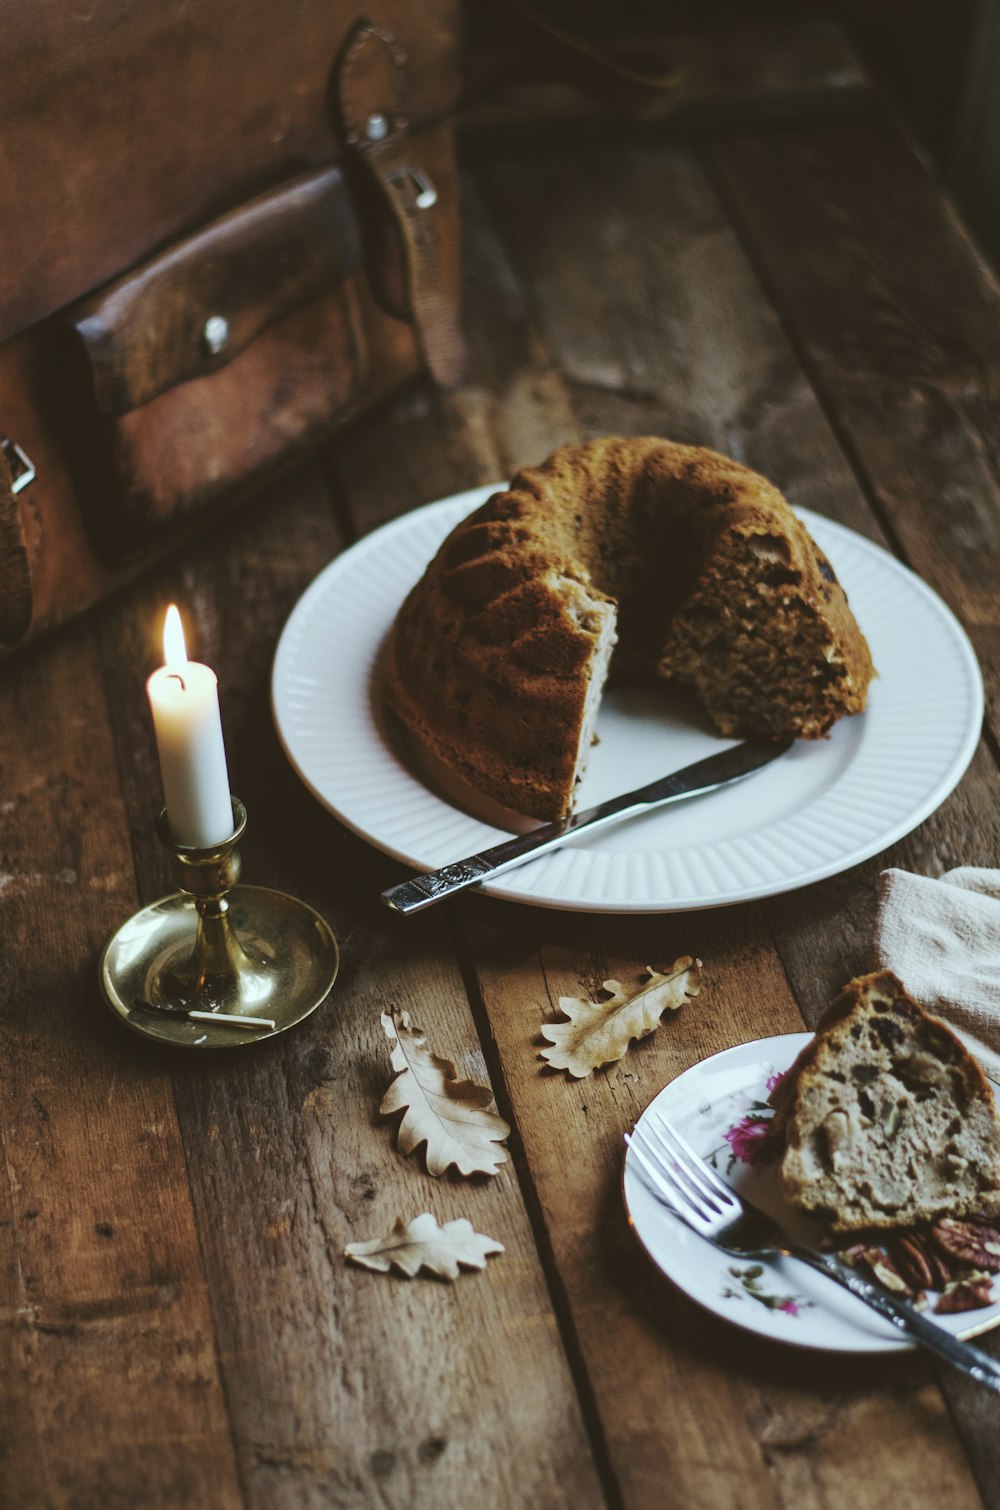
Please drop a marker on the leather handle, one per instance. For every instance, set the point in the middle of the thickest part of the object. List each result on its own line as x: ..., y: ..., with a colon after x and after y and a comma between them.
x: 371, y: 85
x: 198, y: 304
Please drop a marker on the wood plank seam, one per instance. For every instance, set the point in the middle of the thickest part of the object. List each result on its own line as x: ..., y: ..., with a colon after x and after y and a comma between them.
x: 560, y: 1301
x: 340, y: 506
x: 532, y: 303
x: 953, y: 1392
x: 445, y: 430
x: 216, y: 1341
x: 102, y: 633
x: 824, y: 398
x: 803, y: 356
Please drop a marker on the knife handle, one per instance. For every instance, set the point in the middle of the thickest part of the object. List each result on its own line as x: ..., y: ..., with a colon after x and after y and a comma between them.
x: 424, y: 891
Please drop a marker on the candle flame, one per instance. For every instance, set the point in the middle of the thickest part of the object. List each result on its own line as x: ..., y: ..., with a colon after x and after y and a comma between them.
x: 175, y: 655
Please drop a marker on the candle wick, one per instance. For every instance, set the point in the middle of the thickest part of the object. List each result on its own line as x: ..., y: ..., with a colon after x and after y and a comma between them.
x: 176, y: 676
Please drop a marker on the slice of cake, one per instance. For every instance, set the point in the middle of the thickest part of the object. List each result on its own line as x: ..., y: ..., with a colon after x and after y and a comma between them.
x: 885, y: 1119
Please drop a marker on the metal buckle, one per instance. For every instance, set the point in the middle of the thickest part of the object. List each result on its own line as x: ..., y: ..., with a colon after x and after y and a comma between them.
x: 22, y: 470
x: 427, y: 195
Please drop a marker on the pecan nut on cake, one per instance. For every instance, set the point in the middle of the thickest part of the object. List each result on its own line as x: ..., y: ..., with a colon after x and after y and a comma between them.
x: 661, y: 560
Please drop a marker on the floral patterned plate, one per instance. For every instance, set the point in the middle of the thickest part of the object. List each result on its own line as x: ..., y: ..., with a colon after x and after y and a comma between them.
x: 720, y: 1106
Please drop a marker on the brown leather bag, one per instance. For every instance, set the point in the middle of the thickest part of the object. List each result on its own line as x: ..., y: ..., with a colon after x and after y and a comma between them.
x: 224, y: 230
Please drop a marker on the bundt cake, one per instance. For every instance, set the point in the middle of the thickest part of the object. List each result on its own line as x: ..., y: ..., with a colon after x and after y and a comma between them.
x: 693, y: 566
x: 885, y: 1119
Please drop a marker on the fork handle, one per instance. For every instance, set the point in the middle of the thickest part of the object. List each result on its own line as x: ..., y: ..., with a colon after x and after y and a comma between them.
x: 961, y: 1355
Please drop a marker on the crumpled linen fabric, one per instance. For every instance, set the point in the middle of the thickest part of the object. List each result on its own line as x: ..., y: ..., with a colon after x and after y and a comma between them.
x: 942, y: 938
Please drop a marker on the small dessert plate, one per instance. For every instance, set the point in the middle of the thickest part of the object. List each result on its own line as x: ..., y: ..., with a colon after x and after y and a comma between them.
x: 720, y: 1107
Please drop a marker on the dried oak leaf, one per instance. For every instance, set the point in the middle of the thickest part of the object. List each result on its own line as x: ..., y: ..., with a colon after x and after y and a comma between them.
x: 600, y: 1032
x: 448, y: 1115
x: 424, y: 1244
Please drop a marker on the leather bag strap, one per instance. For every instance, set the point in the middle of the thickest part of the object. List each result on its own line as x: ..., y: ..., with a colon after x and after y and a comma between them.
x: 371, y: 82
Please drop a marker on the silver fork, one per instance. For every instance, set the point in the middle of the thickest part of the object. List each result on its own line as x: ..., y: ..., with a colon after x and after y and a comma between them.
x: 683, y: 1182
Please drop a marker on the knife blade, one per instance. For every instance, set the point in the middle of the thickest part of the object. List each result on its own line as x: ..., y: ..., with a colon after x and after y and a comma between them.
x: 692, y: 781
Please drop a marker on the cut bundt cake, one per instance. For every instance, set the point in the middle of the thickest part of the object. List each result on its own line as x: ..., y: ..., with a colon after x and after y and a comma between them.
x: 692, y: 567
x: 885, y: 1119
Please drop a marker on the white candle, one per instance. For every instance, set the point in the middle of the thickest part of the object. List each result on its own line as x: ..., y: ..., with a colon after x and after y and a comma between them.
x: 184, y: 698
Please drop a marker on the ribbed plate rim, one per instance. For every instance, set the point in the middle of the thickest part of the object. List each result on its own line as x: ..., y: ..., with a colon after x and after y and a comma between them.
x: 327, y: 727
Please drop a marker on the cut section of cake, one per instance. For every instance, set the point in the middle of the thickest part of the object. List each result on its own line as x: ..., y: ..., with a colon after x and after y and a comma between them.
x: 885, y: 1119
x: 693, y: 567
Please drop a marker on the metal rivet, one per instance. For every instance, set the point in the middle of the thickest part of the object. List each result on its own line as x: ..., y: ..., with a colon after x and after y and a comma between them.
x: 215, y: 334
x: 377, y: 126
x: 22, y: 470
x: 427, y: 195
x: 418, y: 185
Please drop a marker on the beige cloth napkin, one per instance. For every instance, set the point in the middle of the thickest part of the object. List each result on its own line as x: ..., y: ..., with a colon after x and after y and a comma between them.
x: 942, y: 938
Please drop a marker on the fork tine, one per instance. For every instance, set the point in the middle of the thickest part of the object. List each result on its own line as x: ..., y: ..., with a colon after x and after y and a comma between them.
x: 700, y: 1172
x: 649, y: 1168
x: 685, y: 1189
x: 666, y: 1192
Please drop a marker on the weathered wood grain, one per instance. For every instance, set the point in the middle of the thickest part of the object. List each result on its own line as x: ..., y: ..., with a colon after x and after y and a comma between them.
x: 111, y: 1381
x: 641, y: 308
x: 344, y: 1387
x: 825, y: 930
x: 677, y: 326
x: 898, y: 322
x: 893, y: 316
x: 738, y: 1424
x: 512, y: 406
x: 178, y: 1323
x: 656, y: 321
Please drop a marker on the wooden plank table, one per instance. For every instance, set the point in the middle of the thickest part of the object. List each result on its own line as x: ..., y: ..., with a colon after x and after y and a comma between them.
x: 179, y: 1325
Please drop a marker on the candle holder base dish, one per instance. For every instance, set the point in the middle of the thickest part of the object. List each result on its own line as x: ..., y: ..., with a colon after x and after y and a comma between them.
x: 215, y: 950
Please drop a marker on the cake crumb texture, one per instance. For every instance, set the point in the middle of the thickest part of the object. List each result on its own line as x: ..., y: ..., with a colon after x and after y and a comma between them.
x: 886, y: 1120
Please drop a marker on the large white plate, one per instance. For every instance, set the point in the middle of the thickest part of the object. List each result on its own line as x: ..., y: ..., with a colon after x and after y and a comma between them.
x: 719, y: 1106
x: 821, y: 808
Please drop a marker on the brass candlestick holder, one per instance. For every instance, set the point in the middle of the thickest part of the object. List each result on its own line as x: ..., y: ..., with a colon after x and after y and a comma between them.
x: 218, y: 965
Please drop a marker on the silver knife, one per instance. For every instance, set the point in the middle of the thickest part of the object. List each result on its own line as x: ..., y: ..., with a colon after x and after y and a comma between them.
x: 704, y: 776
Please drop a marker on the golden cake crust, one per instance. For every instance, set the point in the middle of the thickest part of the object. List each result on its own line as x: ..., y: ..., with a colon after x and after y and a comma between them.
x: 490, y: 658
